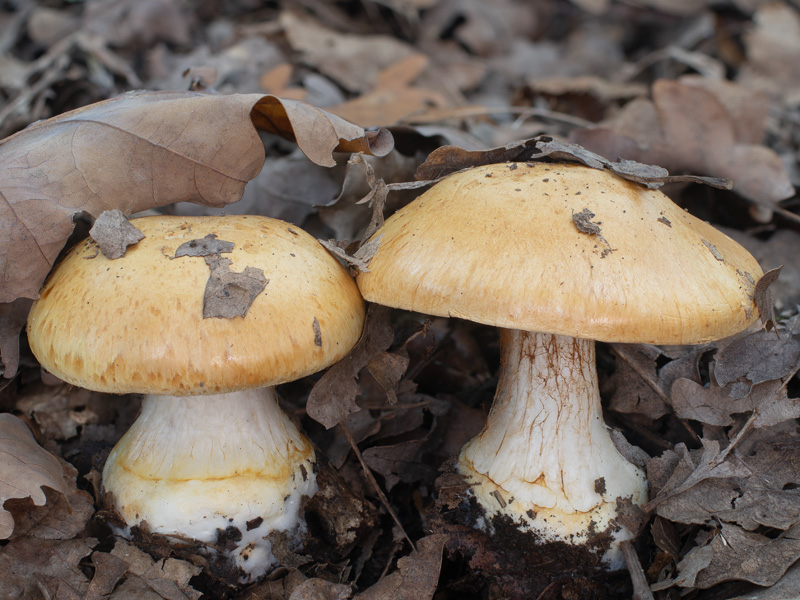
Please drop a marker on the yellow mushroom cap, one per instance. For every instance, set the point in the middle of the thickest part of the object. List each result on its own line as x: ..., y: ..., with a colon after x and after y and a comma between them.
x: 135, y: 324
x: 563, y: 249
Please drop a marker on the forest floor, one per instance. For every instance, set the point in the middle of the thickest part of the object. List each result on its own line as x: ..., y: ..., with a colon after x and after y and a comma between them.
x: 709, y: 89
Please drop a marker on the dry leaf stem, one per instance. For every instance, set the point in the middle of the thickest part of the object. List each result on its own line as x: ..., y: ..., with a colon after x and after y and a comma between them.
x: 371, y: 477
x: 641, y: 589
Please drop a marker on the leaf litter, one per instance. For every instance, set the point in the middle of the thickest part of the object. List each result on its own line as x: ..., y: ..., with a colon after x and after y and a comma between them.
x: 113, y: 233
x: 695, y: 88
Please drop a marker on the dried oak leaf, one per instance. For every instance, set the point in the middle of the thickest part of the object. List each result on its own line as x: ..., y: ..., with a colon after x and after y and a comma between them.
x: 758, y: 357
x: 400, y: 462
x: 687, y: 129
x: 388, y: 368
x: 772, y: 45
x: 714, y: 405
x: 169, y: 578
x: 144, y: 150
x: 32, y: 569
x: 109, y: 569
x: 114, y: 233
x: 763, y: 496
x: 13, y: 316
x: 334, y: 54
x: 62, y: 517
x: 737, y: 554
x: 332, y: 398
x: 25, y: 468
x: 784, y: 589
x: 320, y: 589
x: 690, y: 468
x: 417, y: 576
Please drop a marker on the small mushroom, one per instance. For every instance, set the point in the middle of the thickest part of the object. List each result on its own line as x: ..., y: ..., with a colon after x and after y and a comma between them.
x: 558, y: 256
x: 211, y: 458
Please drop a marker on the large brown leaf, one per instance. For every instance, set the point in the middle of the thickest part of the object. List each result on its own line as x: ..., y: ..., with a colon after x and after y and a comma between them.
x: 139, y: 151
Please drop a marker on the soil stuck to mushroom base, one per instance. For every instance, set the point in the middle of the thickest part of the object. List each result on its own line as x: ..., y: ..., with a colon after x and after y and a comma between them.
x: 338, y: 517
x: 509, y: 563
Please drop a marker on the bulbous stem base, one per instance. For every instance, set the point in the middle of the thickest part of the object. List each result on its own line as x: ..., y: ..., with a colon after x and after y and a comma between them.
x: 203, y: 466
x: 545, y: 457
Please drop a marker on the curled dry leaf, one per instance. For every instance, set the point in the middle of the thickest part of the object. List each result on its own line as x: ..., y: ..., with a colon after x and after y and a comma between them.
x: 763, y: 297
x: 135, y: 152
x: 25, y: 467
x: 446, y: 160
x: 144, y: 150
x: 758, y: 357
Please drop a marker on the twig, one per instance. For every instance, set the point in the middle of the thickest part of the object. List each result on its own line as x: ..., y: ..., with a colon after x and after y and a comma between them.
x: 786, y: 214
x: 641, y: 589
x: 546, y: 590
x: 789, y: 377
x: 433, y: 116
x: 30, y: 92
x: 735, y: 441
x: 375, y: 484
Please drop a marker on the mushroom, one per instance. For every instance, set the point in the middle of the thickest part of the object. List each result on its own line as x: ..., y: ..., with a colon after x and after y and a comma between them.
x: 559, y: 256
x: 211, y: 457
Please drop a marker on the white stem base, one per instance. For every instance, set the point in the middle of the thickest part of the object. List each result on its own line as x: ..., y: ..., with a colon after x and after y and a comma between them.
x: 192, y: 467
x: 545, y: 458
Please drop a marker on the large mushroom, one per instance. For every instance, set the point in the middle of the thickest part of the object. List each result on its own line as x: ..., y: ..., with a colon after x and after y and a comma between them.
x: 204, y: 315
x: 558, y: 256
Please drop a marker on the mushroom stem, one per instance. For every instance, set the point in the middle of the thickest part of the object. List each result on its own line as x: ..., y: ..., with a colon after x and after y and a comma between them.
x: 545, y: 457
x: 217, y: 469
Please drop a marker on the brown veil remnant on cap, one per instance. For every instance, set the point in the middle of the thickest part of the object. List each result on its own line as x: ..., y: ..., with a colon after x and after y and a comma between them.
x: 510, y: 245
x: 559, y: 256
x: 136, y: 324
